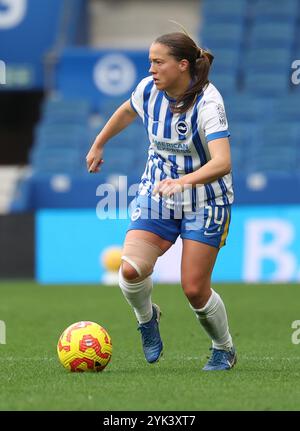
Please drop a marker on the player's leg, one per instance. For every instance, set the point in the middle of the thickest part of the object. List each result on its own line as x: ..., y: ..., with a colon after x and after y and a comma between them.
x: 203, y: 236
x: 140, y: 252
x: 198, y: 261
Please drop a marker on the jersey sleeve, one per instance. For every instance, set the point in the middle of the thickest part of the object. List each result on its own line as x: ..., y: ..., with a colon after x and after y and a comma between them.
x: 137, y: 97
x: 213, y: 120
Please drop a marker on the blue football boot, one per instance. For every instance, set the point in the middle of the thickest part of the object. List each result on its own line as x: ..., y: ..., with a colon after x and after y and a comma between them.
x: 152, y: 344
x: 221, y: 360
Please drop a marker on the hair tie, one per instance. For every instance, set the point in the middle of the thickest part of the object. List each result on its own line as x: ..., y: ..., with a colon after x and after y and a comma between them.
x: 199, y: 53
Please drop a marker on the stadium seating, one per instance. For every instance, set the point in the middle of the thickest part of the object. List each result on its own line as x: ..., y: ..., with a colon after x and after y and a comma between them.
x: 270, y: 9
x: 286, y: 109
x: 225, y: 81
x: 267, y: 83
x: 223, y: 35
x: 228, y: 11
x: 248, y: 108
x: 254, y: 49
x: 266, y: 59
x: 62, y: 139
x: 254, y: 43
x: 226, y: 60
x: 273, y: 34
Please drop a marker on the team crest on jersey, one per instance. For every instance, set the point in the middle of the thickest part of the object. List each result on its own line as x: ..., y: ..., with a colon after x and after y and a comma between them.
x: 181, y: 127
x: 136, y: 214
x: 222, y: 115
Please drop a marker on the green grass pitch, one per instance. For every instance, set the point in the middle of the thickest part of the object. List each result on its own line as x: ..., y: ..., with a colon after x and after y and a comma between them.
x: 266, y: 377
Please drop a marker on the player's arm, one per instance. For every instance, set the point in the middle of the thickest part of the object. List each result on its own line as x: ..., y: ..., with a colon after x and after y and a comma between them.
x: 212, y: 119
x: 122, y: 117
x: 218, y: 166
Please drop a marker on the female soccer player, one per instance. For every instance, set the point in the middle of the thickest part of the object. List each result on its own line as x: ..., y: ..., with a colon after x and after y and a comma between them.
x: 188, y: 158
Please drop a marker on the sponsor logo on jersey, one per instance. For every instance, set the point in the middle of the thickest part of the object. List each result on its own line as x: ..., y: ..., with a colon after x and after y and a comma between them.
x: 221, y: 114
x: 181, y: 127
x: 176, y: 147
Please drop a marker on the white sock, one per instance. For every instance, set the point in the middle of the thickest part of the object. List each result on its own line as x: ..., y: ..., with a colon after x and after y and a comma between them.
x: 138, y: 295
x: 213, y: 319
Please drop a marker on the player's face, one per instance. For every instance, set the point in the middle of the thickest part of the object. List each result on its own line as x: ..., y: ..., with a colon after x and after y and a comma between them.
x: 164, y: 67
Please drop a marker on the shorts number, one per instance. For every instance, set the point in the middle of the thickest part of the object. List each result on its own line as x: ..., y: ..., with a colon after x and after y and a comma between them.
x: 213, y: 213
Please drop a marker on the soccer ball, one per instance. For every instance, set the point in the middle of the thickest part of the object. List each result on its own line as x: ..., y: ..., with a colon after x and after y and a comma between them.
x: 84, y: 346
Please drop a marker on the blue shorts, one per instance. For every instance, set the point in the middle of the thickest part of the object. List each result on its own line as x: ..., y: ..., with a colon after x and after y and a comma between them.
x: 209, y: 224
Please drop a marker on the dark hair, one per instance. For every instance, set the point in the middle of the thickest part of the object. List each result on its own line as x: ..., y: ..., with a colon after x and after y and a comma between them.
x: 182, y: 47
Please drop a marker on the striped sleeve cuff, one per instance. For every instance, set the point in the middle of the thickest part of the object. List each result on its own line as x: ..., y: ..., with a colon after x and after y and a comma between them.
x: 217, y: 135
x: 132, y: 105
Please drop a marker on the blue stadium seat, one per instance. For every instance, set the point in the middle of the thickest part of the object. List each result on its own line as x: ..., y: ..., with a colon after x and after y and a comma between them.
x: 62, y: 108
x: 225, y: 8
x: 248, y: 108
x: 287, y: 109
x: 271, y: 163
x: 281, y: 134
x: 63, y: 161
x: 60, y: 132
x: 225, y: 83
x: 274, y: 34
x: 62, y: 128
x: 58, y: 118
x: 218, y: 18
x: 267, y: 84
x: 243, y: 136
x: 271, y: 20
x: 62, y: 138
x: 46, y: 143
x: 118, y: 161
x: 275, y: 148
x: 226, y: 60
x: 277, y: 144
x: 267, y: 59
x: 276, y: 9
x: 55, y: 150
x: 227, y: 35
x: 127, y: 152
x: 108, y: 106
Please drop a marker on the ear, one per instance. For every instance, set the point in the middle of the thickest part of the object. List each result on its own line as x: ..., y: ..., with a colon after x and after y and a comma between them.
x: 183, y: 65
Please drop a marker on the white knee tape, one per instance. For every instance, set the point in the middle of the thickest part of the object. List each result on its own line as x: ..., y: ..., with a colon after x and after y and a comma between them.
x: 141, y: 255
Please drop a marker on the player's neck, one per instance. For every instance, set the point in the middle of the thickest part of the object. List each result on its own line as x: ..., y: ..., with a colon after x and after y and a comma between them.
x: 180, y: 88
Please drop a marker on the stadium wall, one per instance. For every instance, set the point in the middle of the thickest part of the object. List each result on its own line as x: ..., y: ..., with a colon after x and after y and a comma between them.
x: 263, y: 246
x: 17, y: 246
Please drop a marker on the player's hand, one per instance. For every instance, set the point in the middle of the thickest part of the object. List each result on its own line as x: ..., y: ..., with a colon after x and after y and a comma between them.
x: 94, y: 160
x: 168, y: 187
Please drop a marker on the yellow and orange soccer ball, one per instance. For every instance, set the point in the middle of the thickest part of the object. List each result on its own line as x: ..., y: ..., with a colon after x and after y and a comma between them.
x: 84, y: 346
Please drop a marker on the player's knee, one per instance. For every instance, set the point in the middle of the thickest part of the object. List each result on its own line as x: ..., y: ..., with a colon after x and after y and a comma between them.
x: 197, y: 292
x: 193, y: 294
x: 139, y: 258
x: 128, y: 272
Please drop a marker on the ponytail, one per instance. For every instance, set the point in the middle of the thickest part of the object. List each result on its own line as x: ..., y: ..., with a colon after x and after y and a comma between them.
x: 199, y: 73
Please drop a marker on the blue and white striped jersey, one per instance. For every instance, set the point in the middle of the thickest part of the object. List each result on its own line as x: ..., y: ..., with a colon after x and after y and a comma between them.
x: 179, y: 142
